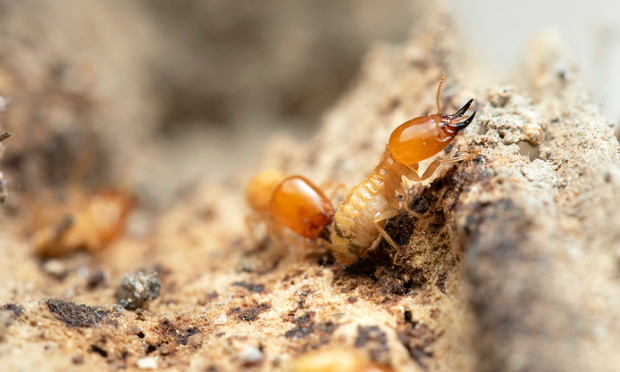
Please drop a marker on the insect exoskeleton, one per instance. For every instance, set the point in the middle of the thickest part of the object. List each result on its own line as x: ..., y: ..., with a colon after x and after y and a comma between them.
x: 291, y: 202
x: 364, y: 211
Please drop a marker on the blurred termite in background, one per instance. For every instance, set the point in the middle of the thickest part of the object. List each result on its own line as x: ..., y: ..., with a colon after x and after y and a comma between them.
x: 86, y: 222
x: 363, y: 213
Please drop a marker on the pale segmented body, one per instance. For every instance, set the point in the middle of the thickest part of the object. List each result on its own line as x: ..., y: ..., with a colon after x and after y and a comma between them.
x: 356, y: 223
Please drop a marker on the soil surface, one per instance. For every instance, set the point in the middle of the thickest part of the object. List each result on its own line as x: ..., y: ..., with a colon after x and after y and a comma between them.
x: 513, y: 267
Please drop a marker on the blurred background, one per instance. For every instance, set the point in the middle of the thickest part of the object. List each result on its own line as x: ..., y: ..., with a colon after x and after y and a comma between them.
x: 157, y: 95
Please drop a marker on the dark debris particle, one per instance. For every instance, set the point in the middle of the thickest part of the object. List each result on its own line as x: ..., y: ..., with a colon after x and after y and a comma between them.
x: 303, y: 330
x: 299, y: 331
x: 99, y: 350
x: 401, y: 228
x: 352, y: 299
x: 16, y: 309
x: 184, y: 336
x: 140, y: 314
x: 409, y: 318
x: 441, y: 282
x: 250, y: 314
x: 79, y: 316
x: 305, y: 325
x: 375, y: 276
x: 137, y: 289
x: 326, y: 259
x: 432, y: 198
x: 95, y: 280
x: 365, y: 267
x: 479, y: 159
x: 417, y: 337
x: 150, y: 349
x: 168, y: 329
x: 374, y: 340
x: 250, y: 287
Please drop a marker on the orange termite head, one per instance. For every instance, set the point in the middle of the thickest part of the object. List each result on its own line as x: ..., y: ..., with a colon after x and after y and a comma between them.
x: 261, y: 187
x: 423, y: 137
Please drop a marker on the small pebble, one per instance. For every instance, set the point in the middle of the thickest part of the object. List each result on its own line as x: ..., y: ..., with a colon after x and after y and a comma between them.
x: 135, y: 330
x: 510, y: 138
x: 140, y: 314
x: 195, y: 340
x: 82, y: 272
x: 220, y: 319
x: 165, y: 350
x: 55, y: 268
x: 250, y: 355
x: 95, y: 279
x: 147, y: 363
x: 137, y: 289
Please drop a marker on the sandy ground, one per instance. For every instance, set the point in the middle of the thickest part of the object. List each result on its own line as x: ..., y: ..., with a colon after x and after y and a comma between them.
x: 517, y: 268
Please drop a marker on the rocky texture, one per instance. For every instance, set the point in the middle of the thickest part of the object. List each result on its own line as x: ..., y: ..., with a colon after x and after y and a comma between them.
x: 137, y: 289
x: 541, y: 236
x: 513, y: 267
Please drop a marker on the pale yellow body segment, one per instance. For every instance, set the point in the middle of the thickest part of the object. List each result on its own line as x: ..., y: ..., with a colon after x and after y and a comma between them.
x: 354, y: 228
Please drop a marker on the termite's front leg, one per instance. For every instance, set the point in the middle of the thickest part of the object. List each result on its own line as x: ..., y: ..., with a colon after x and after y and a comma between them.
x: 407, y: 201
x: 428, y: 173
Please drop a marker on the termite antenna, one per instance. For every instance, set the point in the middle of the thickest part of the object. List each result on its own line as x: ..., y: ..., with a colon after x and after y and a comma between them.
x: 439, y: 92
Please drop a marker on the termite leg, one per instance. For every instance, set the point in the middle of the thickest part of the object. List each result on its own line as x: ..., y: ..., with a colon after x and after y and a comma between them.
x: 252, y: 220
x: 276, y: 237
x: 413, y: 175
x: 406, y: 201
x: 336, y: 185
x: 279, y: 236
x: 384, y: 216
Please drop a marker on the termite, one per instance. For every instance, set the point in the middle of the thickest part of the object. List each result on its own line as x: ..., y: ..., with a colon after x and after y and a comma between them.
x: 365, y: 210
x: 89, y: 222
x: 291, y: 202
